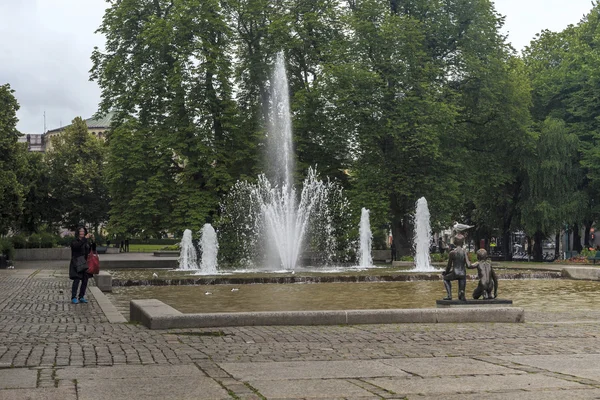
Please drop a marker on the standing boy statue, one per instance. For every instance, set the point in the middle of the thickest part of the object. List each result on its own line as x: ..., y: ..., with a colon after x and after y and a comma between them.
x: 488, y: 283
x: 456, y: 270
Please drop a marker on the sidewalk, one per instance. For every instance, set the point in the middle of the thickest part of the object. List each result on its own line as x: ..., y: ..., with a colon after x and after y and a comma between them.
x: 52, y: 349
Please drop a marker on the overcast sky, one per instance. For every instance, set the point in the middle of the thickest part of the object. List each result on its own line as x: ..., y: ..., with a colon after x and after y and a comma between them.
x: 45, y: 48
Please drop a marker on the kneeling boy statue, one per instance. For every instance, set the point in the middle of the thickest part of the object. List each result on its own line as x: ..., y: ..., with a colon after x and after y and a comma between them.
x: 488, y: 283
x: 456, y: 270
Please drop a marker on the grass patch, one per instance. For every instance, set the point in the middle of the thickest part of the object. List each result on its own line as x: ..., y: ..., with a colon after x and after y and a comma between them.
x: 145, y: 248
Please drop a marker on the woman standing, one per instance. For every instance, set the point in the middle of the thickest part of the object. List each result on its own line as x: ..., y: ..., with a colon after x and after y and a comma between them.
x: 80, y: 247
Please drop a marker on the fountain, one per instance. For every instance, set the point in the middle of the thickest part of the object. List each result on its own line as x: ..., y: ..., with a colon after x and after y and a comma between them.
x: 422, y: 237
x: 188, y: 259
x: 271, y: 221
x: 210, y: 248
x: 364, y: 250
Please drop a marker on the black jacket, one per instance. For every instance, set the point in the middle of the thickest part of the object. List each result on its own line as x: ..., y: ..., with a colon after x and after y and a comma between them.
x: 79, y: 247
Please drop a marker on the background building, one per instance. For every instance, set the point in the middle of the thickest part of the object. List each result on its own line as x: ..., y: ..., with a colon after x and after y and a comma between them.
x: 43, y: 143
x: 96, y: 126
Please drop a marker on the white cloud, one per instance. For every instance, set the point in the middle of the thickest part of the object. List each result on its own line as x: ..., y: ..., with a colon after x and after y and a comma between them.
x: 45, y: 56
x: 525, y: 18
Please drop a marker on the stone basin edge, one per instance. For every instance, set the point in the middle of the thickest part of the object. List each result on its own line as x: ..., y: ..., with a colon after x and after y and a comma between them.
x: 154, y: 314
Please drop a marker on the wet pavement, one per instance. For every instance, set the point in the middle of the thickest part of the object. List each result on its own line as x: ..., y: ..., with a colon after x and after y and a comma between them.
x: 51, y: 349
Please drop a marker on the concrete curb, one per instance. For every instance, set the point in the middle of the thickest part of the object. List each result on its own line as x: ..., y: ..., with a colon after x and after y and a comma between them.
x: 582, y: 273
x: 104, y: 281
x: 155, y: 314
x: 110, y: 311
x: 160, y: 262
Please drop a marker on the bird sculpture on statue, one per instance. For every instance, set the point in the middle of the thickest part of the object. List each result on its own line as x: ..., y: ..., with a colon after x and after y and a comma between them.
x: 457, y: 227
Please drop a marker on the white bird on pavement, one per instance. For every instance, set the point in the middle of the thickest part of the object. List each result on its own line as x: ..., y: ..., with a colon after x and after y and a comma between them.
x: 235, y: 289
x: 154, y: 275
x: 461, y: 227
x: 207, y: 293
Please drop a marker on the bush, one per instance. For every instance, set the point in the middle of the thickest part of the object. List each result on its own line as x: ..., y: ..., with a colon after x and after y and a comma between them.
x: 6, y: 248
x: 19, y: 241
x: 65, y: 241
x: 472, y: 257
x: 588, y: 252
x: 48, y: 240
x: 407, y: 258
x: 165, y: 242
x: 34, y: 241
x: 437, y: 257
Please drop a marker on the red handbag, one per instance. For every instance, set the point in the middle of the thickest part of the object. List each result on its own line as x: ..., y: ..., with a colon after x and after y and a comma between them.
x: 93, y: 263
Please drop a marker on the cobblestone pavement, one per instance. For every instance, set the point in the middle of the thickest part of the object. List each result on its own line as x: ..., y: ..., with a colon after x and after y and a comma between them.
x: 50, y: 348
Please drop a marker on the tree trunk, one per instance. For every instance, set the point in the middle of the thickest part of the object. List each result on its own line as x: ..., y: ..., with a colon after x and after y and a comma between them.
x: 586, y: 236
x: 507, y: 245
x: 538, y: 255
x: 557, y: 246
x: 577, y: 239
x: 402, y: 233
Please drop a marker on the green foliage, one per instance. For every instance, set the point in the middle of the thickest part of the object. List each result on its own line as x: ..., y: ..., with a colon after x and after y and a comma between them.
x: 19, y: 241
x: 34, y: 241
x: 11, y: 162
x: 394, y: 100
x: 175, y: 134
x: 65, y: 241
x: 551, y: 196
x: 439, y: 257
x: 585, y: 252
x: 6, y: 247
x: 76, y: 177
x: 39, y: 208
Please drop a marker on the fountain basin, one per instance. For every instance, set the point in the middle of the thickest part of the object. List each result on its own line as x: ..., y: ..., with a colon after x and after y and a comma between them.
x: 154, y: 314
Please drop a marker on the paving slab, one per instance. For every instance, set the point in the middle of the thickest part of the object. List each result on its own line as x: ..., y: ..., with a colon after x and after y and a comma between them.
x: 18, y: 378
x: 181, y: 388
x: 448, y: 366
x: 581, y: 365
x: 309, y: 388
x: 572, y: 394
x: 311, y: 369
x: 39, y: 394
x: 130, y: 371
x: 450, y: 385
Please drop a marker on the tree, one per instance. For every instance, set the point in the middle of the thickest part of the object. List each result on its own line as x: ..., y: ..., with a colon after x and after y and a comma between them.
x: 166, y: 74
x: 550, y: 190
x: 76, y: 164
x: 498, y: 120
x: 408, y: 95
x: 11, y: 189
x: 39, y: 209
x: 563, y: 70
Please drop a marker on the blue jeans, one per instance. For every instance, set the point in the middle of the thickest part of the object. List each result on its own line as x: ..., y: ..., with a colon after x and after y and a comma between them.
x: 84, y: 282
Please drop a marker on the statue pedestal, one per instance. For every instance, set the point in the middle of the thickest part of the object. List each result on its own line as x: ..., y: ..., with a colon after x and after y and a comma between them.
x: 473, y: 303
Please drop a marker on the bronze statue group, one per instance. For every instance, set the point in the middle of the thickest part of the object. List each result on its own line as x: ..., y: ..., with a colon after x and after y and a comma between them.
x: 456, y: 270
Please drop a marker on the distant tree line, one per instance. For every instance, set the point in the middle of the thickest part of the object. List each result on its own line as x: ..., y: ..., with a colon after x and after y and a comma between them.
x: 393, y: 99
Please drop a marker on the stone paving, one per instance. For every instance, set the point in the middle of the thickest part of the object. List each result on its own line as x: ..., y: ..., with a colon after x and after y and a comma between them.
x: 51, y: 349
